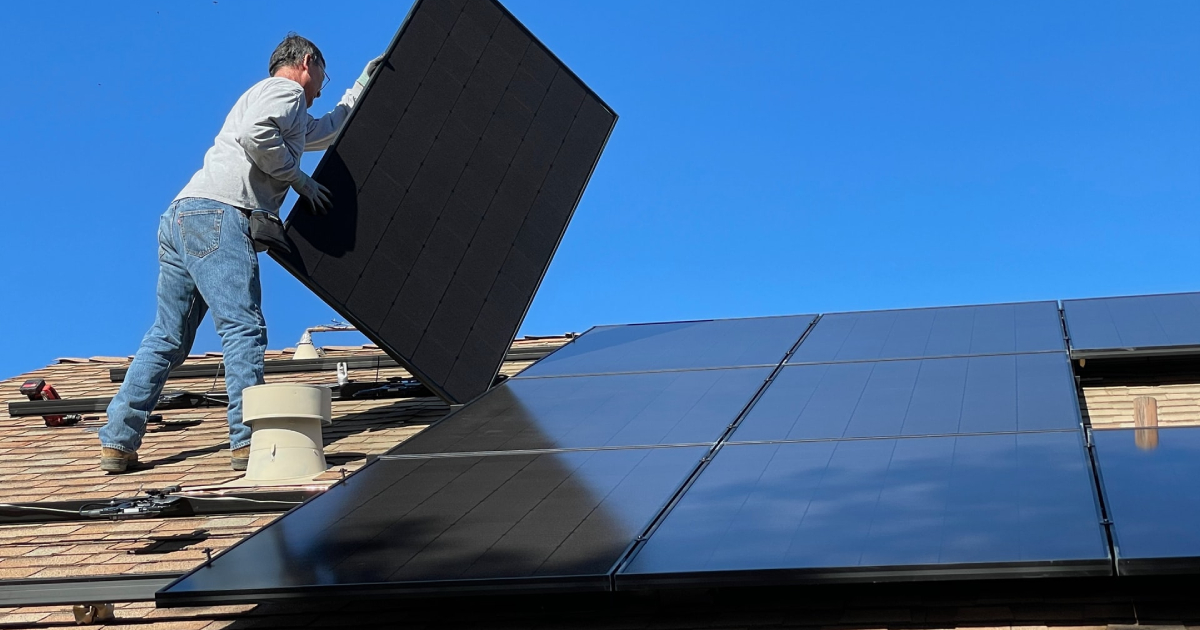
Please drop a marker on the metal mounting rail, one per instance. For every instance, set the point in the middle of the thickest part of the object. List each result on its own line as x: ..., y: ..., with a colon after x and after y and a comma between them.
x: 167, y: 503
x: 283, y: 366
x: 80, y: 590
x: 406, y: 388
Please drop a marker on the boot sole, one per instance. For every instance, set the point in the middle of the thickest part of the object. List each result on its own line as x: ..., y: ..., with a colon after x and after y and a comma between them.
x: 114, y: 464
x: 239, y: 464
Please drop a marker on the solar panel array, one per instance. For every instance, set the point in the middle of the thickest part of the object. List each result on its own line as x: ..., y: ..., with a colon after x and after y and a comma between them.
x: 452, y: 184
x: 890, y: 445
x: 706, y: 453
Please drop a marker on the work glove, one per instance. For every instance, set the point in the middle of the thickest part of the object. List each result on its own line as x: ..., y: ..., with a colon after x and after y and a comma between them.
x: 315, y: 193
x: 369, y: 70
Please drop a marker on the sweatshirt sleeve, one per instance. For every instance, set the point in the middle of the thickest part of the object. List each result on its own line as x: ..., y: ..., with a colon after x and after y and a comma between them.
x: 321, y: 131
x: 269, y: 121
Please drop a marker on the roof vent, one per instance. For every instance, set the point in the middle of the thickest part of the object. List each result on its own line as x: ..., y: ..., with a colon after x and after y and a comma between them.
x: 286, y: 419
x: 305, y: 348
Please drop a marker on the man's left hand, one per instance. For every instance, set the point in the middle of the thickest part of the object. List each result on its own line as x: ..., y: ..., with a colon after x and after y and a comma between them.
x: 369, y: 70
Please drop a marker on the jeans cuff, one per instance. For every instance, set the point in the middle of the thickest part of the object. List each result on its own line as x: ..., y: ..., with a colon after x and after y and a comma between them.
x: 116, y: 447
x: 234, y: 447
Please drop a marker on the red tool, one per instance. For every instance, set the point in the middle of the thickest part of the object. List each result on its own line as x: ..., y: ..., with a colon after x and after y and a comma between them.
x: 39, y: 389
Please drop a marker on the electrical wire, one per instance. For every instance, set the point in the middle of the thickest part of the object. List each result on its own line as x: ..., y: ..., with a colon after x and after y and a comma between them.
x: 242, y: 499
x: 34, y: 508
x: 60, y: 541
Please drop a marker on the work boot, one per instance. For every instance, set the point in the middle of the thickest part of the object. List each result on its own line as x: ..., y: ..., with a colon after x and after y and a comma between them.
x: 240, y: 458
x: 115, y: 461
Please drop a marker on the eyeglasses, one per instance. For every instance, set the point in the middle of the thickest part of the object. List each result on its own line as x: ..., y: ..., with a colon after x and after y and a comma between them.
x: 325, y: 81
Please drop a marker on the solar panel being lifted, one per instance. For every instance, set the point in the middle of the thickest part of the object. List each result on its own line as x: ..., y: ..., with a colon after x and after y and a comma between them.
x: 452, y: 185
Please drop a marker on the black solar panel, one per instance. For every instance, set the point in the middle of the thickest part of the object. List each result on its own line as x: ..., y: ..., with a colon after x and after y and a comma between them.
x: 933, y: 332
x: 515, y: 522
x: 453, y: 182
x: 596, y: 411
x: 1149, y: 478
x: 1127, y: 326
x: 676, y: 345
x: 966, y: 506
x: 966, y: 460
x: 1023, y: 392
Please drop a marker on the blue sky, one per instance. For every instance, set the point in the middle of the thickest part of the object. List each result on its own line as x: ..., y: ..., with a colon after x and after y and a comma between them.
x: 771, y: 157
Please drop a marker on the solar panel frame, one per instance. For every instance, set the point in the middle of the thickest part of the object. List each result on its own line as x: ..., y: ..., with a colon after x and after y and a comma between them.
x: 1142, y: 326
x: 457, y: 374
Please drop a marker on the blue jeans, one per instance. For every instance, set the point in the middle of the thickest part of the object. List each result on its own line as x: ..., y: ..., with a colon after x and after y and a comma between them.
x: 206, y: 260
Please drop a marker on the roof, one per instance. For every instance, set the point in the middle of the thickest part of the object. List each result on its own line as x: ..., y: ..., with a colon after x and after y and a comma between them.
x: 189, y: 448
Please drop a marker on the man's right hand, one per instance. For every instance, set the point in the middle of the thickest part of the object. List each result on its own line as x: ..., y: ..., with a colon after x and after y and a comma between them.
x: 317, y: 195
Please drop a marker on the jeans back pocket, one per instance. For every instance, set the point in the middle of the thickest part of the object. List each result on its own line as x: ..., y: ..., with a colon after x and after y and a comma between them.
x: 200, y: 231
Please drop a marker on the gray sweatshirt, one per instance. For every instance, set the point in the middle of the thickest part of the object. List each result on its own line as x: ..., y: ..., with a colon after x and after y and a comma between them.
x: 256, y: 155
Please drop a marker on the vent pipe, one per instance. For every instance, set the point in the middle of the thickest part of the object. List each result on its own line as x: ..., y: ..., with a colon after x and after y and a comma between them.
x: 305, y: 348
x: 1145, y: 422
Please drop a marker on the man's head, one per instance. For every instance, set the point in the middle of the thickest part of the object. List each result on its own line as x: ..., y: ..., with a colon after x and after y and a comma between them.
x: 300, y: 60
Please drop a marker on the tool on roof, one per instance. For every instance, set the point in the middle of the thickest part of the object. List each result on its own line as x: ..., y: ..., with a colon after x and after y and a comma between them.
x: 39, y: 389
x: 94, y: 613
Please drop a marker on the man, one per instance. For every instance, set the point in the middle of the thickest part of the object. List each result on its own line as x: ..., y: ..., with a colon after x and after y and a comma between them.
x: 206, y: 257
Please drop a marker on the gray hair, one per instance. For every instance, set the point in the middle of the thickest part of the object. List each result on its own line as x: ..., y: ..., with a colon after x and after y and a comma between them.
x: 291, y: 51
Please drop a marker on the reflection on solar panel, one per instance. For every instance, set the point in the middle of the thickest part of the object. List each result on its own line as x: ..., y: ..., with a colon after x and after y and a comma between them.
x: 452, y: 184
x: 1023, y: 392
x: 933, y: 332
x: 992, y: 505
x: 1126, y: 326
x: 676, y: 345
x: 522, y: 522
x: 1149, y: 478
x: 596, y: 411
